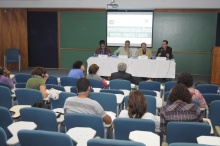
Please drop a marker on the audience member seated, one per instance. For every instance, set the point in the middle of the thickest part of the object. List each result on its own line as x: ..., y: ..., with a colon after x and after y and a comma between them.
x: 38, y: 79
x: 92, y: 74
x: 103, y: 50
x: 187, y: 80
x: 77, y: 71
x: 137, y: 108
x: 180, y: 108
x: 121, y: 74
x: 83, y: 104
x: 5, y: 77
x: 124, y: 50
x: 144, y: 51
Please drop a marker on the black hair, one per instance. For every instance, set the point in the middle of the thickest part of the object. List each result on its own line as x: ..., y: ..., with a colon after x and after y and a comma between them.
x: 77, y: 64
x: 82, y: 85
x: 2, y: 70
x: 186, y: 79
x: 101, y: 42
x: 165, y: 41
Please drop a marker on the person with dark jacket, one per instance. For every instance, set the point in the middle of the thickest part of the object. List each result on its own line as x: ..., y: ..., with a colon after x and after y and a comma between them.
x: 165, y: 50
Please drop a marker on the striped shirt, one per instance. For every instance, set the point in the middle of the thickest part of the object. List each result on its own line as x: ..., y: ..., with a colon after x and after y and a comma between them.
x: 179, y: 111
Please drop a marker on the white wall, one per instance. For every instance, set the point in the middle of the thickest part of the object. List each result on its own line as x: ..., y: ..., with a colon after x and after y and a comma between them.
x: 123, y: 4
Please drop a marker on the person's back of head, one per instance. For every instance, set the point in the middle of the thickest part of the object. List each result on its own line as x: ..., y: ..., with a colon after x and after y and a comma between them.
x: 186, y: 79
x: 83, y: 86
x: 93, y: 69
x: 122, y: 67
x: 77, y: 64
x: 40, y: 71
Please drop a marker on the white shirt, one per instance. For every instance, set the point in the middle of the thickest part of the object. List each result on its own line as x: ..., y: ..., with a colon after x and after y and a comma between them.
x: 149, y: 116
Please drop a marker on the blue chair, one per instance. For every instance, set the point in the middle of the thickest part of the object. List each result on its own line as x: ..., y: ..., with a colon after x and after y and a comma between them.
x: 108, y: 101
x: 151, y: 103
x: 186, y: 131
x: 20, y: 85
x: 169, y: 85
x: 207, y: 88
x: 149, y: 92
x: 186, y: 144
x: 214, y: 113
x: 57, y: 87
x: 112, y: 142
x: 28, y: 96
x: 5, y: 85
x: 196, y: 102
x: 44, y: 119
x: 113, y: 91
x: 209, y: 97
x: 3, y: 137
x: 150, y: 86
x: 68, y: 81
x: 166, y: 96
x: 123, y: 126
x: 22, y: 78
x: 5, y: 120
x: 95, y: 83
x: 5, y: 97
x: 52, y: 80
x: 12, y: 55
x: 120, y: 84
x: 43, y: 138
x: 85, y: 120
x: 62, y: 98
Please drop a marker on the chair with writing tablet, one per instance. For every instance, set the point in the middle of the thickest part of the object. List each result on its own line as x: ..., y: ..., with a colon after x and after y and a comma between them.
x: 214, y: 115
x: 62, y: 98
x: 149, y: 92
x: 207, y: 88
x: 52, y: 80
x: 120, y: 84
x: 169, y: 85
x: 209, y: 97
x: 68, y: 81
x: 95, y: 83
x: 3, y: 137
x: 57, y: 87
x: 154, y: 85
x: 22, y: 77
x: 20, y: 85
x: 5, y: 97
x: 113, y: 91
x: 5, y: 120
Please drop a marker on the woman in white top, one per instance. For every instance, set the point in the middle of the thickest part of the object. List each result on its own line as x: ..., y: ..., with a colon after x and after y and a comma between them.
x: 124, y: 50
x: 137, y: 108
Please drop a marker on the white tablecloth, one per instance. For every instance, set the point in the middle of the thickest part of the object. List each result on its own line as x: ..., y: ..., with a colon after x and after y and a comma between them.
x: 136, y: 67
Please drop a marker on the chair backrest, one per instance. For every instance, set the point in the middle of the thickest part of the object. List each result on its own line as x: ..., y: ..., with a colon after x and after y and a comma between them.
x: 120, y: 84
x: 149, y: 92
x: 85, y: 120
x: 57, y: 87
x: 12, y: 53
x: 165, y: 98
x: 209, y: 97
x: 52, y: 80
x: 43, y: 138
x: 112, y: 142
x: 108, y: 101
x: 20, y: 85
x: 169, y: 85
x: 151, y: 103
x: 123, y: 126
x: 5, y: 120
x: 68, y: 81
x: 5, y: 97
x: 113, y: 91
x: 73, y: 89
x: 149, y: 86
x: 186, y: 131
x: 214, y: 113
x: 62, y: 98
x: 196, y: 102
x: 28, y: 96
x: 3, y: 137
x: 207, y: 88
x: 95, y: 83
x: 186, y: 144
x: 5, y: 85
x: 44, y: 119
x: 22, y: 78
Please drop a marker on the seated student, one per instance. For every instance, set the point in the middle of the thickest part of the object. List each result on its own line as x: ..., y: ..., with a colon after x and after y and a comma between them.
x: 5, y: 77
x: 180, y: 108
x: 124, y: 50
x: 38, y: 79
x: 137, y: 108
x: 187, y: 80
x: 103, y: 50
x: 77, y: 71
x: 92, y: 74
x: 83, y: 104
x: 144, y: 51
x: 121, y: 74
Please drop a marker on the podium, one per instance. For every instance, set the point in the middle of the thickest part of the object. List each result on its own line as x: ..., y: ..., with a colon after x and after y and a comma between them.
x: 215, y: 78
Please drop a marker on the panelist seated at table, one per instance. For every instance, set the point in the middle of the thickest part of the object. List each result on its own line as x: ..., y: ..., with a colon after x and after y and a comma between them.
x: 124, y: 50
x: 5, y: 77
x: 83, y: 104
x: 144, y: 51
x: 180, y: 108
x: 165, y: 50
x: 137, y: 108
x: 103, y: 50
x: 37, y: 81
x: 121, y: 74
x: 93, y: 69
x: 77, y: 71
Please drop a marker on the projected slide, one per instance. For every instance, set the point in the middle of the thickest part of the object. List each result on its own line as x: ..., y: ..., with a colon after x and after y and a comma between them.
x: 133, y: 26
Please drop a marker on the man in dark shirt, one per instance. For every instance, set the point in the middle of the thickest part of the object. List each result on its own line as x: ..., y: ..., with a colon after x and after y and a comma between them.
x: 165, y: 50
